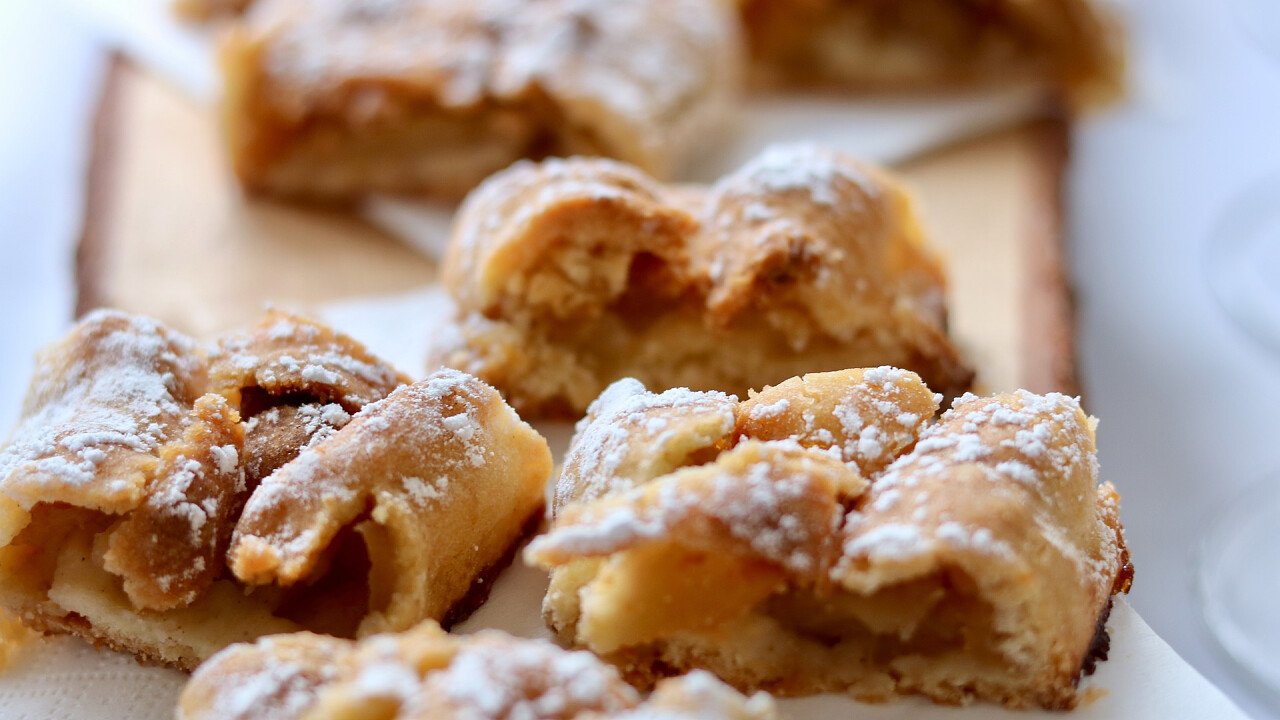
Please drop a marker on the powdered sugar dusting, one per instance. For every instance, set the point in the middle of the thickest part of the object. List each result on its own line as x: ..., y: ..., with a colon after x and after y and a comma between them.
x: 699, y: 695
x: 1027, y: 440
x: 290, y: 354
x: 424, y: 493
x: 630, y: 433
x: 868, y: 417
x: 759, y: 498
x: 796, y: 167
x: 277, y: 687
x: 976, y: 430
x: 387, y: 678
x: 487, y: 675
x: 492, y: 677
x: 434, y: 425
x: 648, y: 67
x: 892, y: 540
x: 226, y: 457
x: 118, y: 386
x: 771, y: 410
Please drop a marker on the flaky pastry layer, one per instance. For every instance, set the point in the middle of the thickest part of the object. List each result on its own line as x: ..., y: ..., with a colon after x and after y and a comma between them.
x: 426, y: 673
x: 570, y: 274
x: 337, y: 98
x: 826, y: 535
x: 168, y: 501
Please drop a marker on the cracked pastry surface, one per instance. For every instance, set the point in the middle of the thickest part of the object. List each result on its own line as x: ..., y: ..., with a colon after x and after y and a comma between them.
x: 333, y: 99
x: 127, y: 516
x: 570, y: 274
x: 1073, y: 46
x: 426, y: 672
x: 827, y: 535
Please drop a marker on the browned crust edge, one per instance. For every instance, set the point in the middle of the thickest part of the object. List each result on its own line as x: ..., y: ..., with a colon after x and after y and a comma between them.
x: 1100, y: 646
x: 104, y: 153
x: 73, y: 624
x: 482, y: 584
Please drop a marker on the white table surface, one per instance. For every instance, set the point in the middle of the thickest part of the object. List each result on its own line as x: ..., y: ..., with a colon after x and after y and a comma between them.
x: 1186, y: 400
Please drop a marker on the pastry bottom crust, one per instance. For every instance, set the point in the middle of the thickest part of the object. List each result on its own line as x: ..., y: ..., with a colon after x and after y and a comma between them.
x: 808, y: 649
x: 83, y: 599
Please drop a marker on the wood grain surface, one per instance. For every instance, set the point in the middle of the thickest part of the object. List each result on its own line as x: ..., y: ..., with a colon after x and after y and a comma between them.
x: 168, y: 233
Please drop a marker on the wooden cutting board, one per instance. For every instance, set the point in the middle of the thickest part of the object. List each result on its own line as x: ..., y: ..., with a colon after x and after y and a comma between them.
x: 169, y: 234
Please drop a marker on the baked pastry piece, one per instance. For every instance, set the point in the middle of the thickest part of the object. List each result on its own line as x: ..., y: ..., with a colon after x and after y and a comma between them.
x: 336, y: 98
x: 427, y: 673
x: 832, y: 539
x: 126, y: 517
x: 208, y: 10
x: 1071, y: 45
x: 570, y: 274
x: 296, y: 382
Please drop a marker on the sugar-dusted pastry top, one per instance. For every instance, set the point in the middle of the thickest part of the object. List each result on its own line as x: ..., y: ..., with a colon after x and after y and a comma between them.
x: 437, y: 468
x: 297, y: 382
x: 570, y: 274
x: 287, y: 355
x: 1074, y: 46
x: 168, y: 501
x: 643, y: 82
x: 102, y: 402
x: 425, y: 672
x: 844, y: 540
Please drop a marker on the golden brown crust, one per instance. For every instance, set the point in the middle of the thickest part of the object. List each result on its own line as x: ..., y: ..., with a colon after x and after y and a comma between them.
x: 336, y: 98
x: 101, y: 403
x: 870, y: 418
x: 202, y: 11
x: 448, y: 475
x: 292, y: 665
x: 482, y: 584
x: 275, y: 436
x: 296, y: 382
x: 286, y: 355
x: 391, y: 516
x: 169, y: 549
x: 631, y: 436
x: 426, y: 673
x: 570, y: 274
x: 976, y: 565
x: 1070, y: 46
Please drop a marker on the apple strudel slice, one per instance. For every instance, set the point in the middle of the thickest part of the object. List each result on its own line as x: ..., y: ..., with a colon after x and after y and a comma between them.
x: 333, y: 99
x: 1071, y: 46
x: 203, y: 11
x: 427, y: 673
x: 835, y: 539
x: 126, y: 516
x: 570, y: 274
